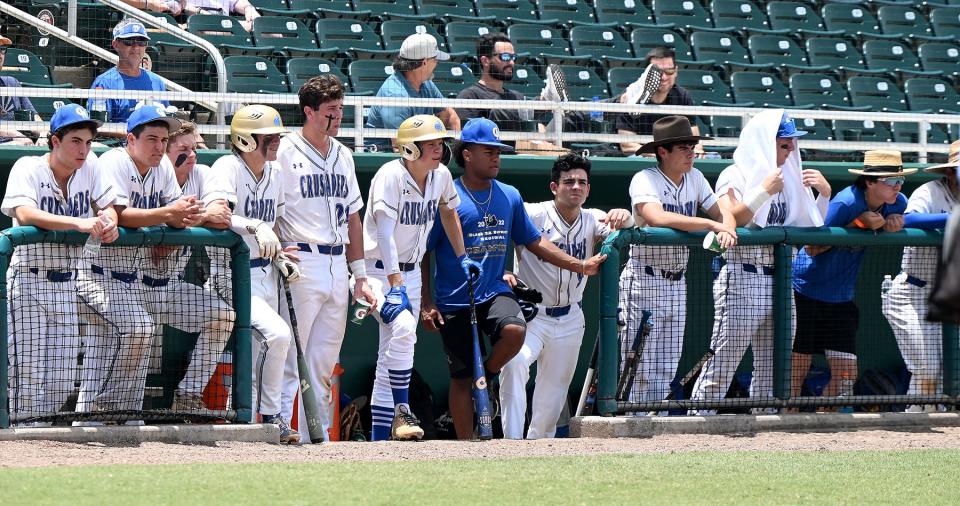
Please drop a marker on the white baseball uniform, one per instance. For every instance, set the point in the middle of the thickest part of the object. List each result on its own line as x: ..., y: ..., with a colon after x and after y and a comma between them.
x: 396, y: 198
x: 653, y: 279
x: 118, y: 337
x: 320, y: 193
x: 905, y: 305
x: 554, y: 336
x: 259, y: 201
x: 43, y: 318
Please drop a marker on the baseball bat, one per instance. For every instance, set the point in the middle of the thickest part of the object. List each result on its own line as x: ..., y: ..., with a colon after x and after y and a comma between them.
x: 589, y: 393
x: 481, y: 397
x: 677, y: 386
x: 631, y: 361
x: 310, y: 408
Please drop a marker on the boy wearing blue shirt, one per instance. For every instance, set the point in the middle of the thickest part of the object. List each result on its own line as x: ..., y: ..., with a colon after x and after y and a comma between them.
x: 492, y: 215
x: 824, y: 277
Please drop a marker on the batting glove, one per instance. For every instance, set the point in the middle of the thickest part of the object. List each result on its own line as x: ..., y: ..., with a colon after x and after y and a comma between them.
x: 288, y: 269
x: 395, y: 303
x: 267, y: 240
x: 471, y: 268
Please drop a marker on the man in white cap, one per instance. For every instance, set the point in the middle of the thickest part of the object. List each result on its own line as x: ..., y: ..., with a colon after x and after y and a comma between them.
x: 412, y: 78
x: 130, y: 41
x: 905, y: 304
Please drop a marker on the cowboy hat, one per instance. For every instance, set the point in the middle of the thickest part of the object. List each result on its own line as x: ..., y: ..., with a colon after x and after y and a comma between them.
x: 882, y: 163
x: 952, y: 160
x: 670, y: 130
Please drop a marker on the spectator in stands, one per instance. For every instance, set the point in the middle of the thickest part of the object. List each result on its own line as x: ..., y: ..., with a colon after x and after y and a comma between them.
x: 668, y: 94
x: 224, y: 8
x: 130, y: 41
x: 171, y: 6
x: 14, y: 108
x: 412, y: 78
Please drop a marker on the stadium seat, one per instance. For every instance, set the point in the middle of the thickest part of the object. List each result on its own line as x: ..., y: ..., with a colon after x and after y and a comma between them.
x: 583, y: 83
x: 350, y: 37
x: 462, y: 35
x: 567, y: 11
x: 395, y: 31
x: 289, y: 36
x: 686, y: 14
x: 940, y: 56
x: 781, y: 51
x: 821, y: 90
x: 380, y: 7
x: 878, y: 93
x: 817, y: 129
x: 905, y: 21
x: 620, y: 77
x: 348, y: 16
x: 450, y: 9
x: 909, y: 132
x: 738, y: 15
x: 300, y: 70
x: 935, y: 95
x: 837, y: 52
x: 862, y: 131
x: 161, y: 35
x: 722, y: 48
x: 945, y: 22
x: 538, y: 40
x: 599, y: 42
x: 893, y: 55
x: 271, y: 7
x: 763, y: 89
x: 795, y: 17
x: 849, y: 18
x: 507, y: 11
x: 227, y: 35
x: 27, y: 68
x: 366, y: 76
x: 452, y: 78
x: 645, y: 39
x: 46, y: 106
x: 252, y: 74
x: 526, y: 81
x: 626, y: 13
x: 299, y: 5
x: 706, y: 87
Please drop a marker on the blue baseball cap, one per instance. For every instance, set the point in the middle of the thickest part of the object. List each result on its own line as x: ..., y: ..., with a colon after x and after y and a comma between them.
x: 70, y: 114
x: 130, y: 28
x: 483, y: 131
x: 148, y: 113
x: 788, y: 128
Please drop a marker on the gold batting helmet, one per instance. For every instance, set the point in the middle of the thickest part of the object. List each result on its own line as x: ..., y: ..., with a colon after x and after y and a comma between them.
x: 254, y: 119
x: 422, y: 127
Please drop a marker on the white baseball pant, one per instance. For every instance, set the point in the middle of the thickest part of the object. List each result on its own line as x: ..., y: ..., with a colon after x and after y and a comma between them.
x: 920, y: 341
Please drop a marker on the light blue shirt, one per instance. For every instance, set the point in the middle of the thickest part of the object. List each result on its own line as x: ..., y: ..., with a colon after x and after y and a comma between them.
x: 390, y: 117
x: 119, y: 109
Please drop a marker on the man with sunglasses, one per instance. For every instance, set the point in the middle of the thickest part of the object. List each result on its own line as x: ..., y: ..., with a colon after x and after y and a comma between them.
x: 130, y: 41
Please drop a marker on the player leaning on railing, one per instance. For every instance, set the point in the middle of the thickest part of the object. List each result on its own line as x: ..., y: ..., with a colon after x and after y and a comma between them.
x: 61, y: 190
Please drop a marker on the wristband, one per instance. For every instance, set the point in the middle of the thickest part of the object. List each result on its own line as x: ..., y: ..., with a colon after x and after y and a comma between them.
x: 859, y: 223
x: 358, y: 268
x: 756, y: 199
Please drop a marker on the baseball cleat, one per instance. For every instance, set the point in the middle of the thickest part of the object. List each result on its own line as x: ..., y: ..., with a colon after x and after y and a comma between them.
x: 183, y: 401
x: 406, y: 427
x: 555, y: 85
x: 642, y: 90
x: 287, y: 434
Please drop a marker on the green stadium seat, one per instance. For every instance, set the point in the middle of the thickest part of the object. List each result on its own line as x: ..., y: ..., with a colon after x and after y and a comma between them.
x: 781, y: 51
x: 940, y: 56
x: 619, y: 78
x: 739, y: 15
x: 567, y: 11
x: 821, y: 90
x: 160, y: 35
x: 348, y: 16
x: 252, y: 74
x: 583, y: 83
x: 851, y: 19
x: 945, y: 22
x: 910, y: 132
x: 878, y: 93
x: 817, y: 129
x: 300, y: 70
x: 380, y: 7
x: 797, y: 17
x: 27, y: 68
x: 394, y: 32
x: 628, y: 13
x: 366, y: 76
x: 450, y: 9
x: 599, y: 42
x: 722, y: 48
x: 645, y: 39
x: 893, y: 55
x: 271, y: 7
x: 706, y: 87
x: 227, y: 35
x: 349, y: 36
x: 862, y: 131
x: 526, y: 81
x: 763, y: 89
x: 837, y: 52
x: 462, y: 35
x: 452, y: 78
x: 46, y: 106
x: 507, y: 11
x: 289, y: 36
x: 312, y: 5
x: 539, y: 40
x: 684, y: 14
x: 905, y: 21
x: 936, y: 95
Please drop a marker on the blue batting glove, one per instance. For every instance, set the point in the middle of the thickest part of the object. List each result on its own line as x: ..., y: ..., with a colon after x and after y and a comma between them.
x: 396, y: 302
x: 471, y: 268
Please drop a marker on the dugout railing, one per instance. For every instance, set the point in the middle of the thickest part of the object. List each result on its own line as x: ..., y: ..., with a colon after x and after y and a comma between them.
x: 238, y: 400
x: 785, y: 241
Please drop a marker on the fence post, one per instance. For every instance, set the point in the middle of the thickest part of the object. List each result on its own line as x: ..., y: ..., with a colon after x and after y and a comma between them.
x: 782, y: 315
x: 243, y: 355
x: 608, y: 346
x: 951, y: 360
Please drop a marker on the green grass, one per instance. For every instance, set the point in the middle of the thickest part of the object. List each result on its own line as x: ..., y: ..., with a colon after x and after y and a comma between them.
x: 904, y: 477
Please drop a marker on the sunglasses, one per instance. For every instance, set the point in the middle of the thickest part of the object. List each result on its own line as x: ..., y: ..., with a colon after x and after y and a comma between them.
x: 3, y: 50
x: 892, y: 181
x: 506, y: 56
x: 669, y: 71
x: 134, y: 42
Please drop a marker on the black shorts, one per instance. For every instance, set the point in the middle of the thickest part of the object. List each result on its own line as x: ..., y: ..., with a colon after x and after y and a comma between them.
x: 457, y: 335
x: 825, y: 325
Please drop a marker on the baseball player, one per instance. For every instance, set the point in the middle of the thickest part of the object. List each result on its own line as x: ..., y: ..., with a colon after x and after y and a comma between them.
x: 406, y: 195
x: 765, y: 187
x: 112, y: 290
x: 321, y: 218
x: 60, y: 190
x: 492, y: 215
x: 905, y: 305
x: 554, y: 335
x: 254, y: 174
x: 667, y: 195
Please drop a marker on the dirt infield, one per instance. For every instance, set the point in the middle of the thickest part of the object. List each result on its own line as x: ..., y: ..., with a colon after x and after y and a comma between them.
x: 49, y: 453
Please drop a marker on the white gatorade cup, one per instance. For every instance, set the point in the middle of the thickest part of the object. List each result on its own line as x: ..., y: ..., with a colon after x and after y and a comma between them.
x: 711, y: 243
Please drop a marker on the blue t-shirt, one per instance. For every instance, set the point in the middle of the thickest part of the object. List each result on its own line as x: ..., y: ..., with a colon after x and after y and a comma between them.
x: 120, y: 109
x: 831, y: 276
x: 486, y: 241
x: 390, y: 117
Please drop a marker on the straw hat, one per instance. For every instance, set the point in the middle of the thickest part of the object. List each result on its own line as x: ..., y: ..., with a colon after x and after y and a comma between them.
x: 952, y: 160
x: 882, y: 163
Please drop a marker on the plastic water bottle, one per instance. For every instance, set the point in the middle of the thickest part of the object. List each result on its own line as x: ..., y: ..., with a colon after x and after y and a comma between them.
x: 886, y: 285
x: 596, y: 117
x: 91, y: 248
x: 846, y: 389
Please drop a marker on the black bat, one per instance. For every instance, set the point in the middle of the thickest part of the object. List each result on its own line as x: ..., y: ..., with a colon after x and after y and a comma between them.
x: 677, y: 387
x: 310, y: 407
x: 632, y: 359
x: 588, y: 396
x: 481, y: 397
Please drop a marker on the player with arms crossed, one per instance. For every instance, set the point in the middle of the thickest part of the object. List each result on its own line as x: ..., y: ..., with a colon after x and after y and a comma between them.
x: 321, y: 218
x: 492, y: 215
x: 554, y: 335
x: 905, y: 305
x: 668, y: 195
x: 406, y: 195
x: 766, y: 186
x: 251, y: 170
x: 57, y: 191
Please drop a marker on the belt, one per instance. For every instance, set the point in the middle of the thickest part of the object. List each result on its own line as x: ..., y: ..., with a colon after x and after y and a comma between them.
x: 323, y: 249
x: 155, y: 282
x: 672, y: 276
x: 558, y: 311
x: 55, y: 276
x: 126, y: 277
x: 403, y: 267
x: 259, y: 262
x: 916, y: 281
x: 767, y: 271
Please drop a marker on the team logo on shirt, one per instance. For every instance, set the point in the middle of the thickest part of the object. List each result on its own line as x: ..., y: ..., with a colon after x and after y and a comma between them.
x: 416, y: 213
x: 260, y: 209
x: 323, y: 185
x: 76, y: 206
x: 152, y: 201
x: 777, y: 214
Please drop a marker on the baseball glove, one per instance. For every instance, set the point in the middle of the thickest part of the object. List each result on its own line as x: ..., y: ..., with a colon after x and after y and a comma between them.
x: 351, y: 429
x: 524, y: 292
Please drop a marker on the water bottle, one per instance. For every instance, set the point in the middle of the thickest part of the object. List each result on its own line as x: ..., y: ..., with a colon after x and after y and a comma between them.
x: 596, y: 117
x: 91, y: 248
x: 846, y: 389
x: 98, y: 108
x: 886, y: 285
